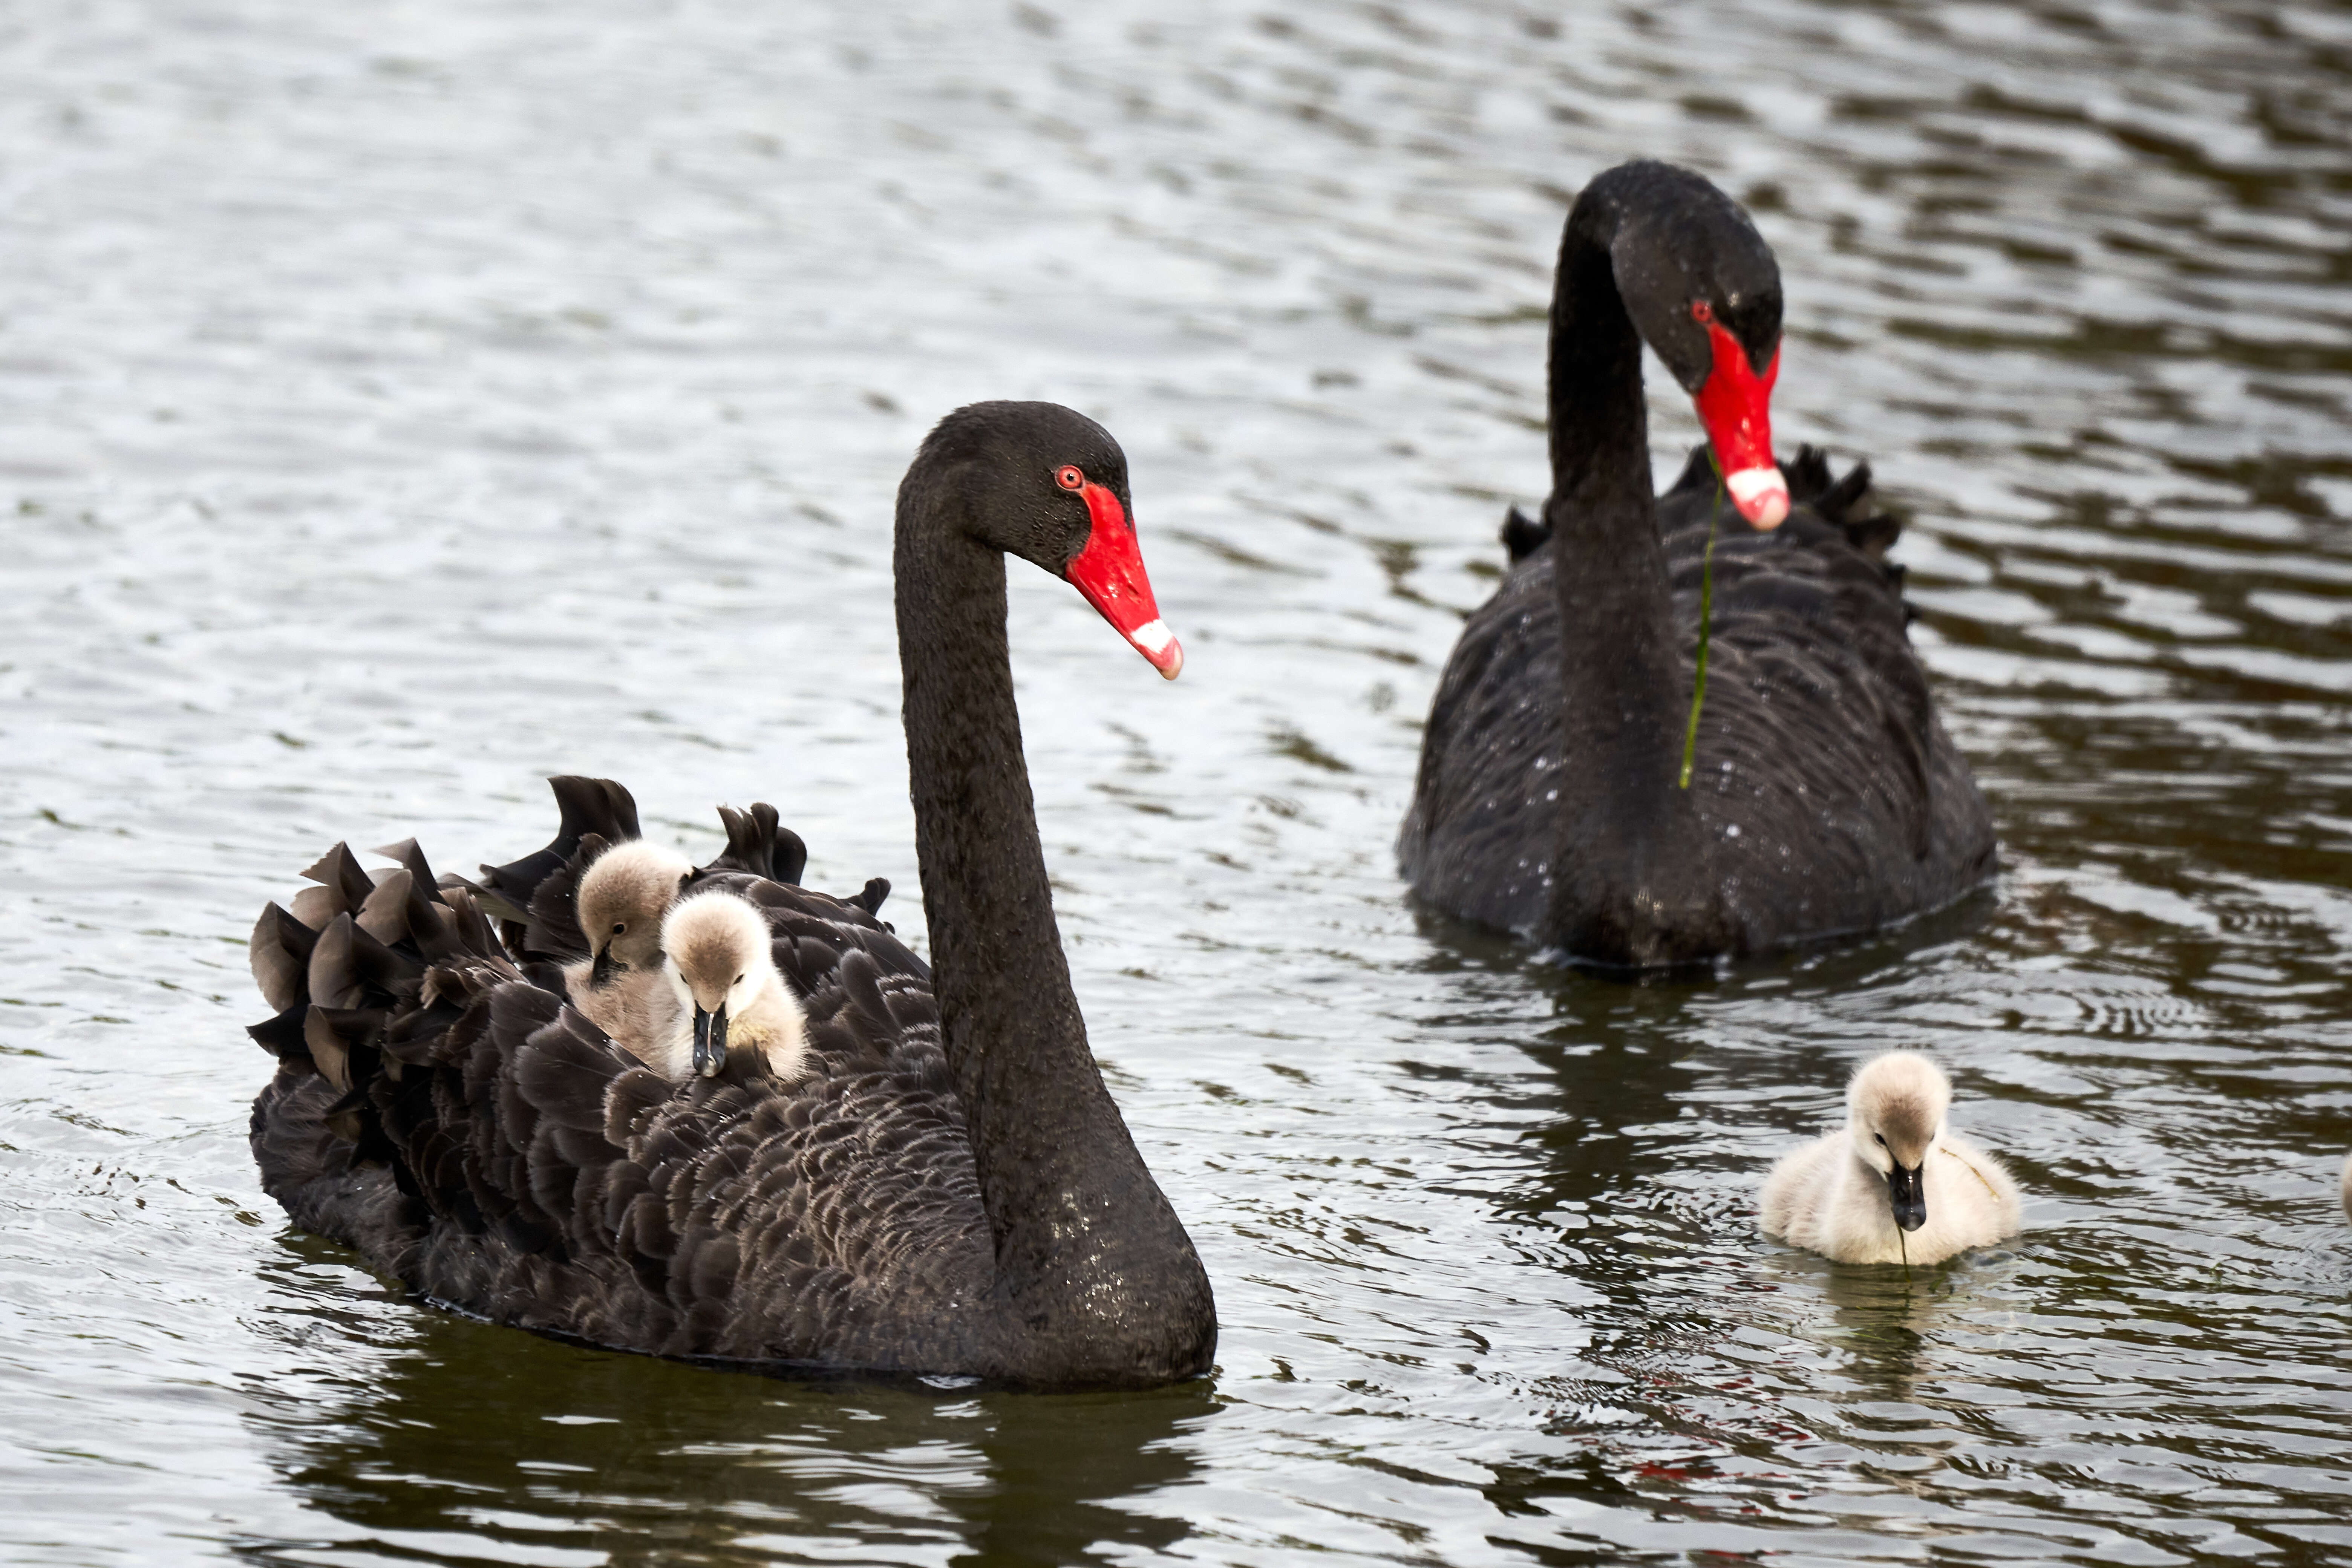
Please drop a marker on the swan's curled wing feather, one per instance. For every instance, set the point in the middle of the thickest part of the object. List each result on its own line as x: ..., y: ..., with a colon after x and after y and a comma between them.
x: 452, y: 1113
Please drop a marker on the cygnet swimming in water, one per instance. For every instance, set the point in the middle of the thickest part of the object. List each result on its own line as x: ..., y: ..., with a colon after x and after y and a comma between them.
x: 621, y: 985
x: 1892, y: 1185
x: 723, y: 972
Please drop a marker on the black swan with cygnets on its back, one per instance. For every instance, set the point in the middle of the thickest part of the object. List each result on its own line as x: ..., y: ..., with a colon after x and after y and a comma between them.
x: 1824, y: 797
x: 945, y: 1184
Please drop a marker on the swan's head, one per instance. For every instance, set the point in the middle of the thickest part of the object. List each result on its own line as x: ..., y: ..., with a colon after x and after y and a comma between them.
x: 621, y: 899
x: 720, y: 962
x: 1895, y: 1113
x: 1037, y: 481
x: 1704, y: 290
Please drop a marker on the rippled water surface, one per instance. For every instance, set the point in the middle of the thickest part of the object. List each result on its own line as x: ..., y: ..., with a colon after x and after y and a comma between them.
x: 400, y: 404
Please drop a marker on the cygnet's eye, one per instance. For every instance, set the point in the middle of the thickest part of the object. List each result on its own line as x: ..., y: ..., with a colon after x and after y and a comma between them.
x: 738, y: 980
x: 1069, y: 477
x: 620, y: 926
x: 1880, y: 1139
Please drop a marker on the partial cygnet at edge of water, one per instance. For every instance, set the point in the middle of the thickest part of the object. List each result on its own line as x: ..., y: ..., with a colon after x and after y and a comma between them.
x: 2344, y: 1189
x: 723, y: 972
x: 1892, y: 1185
x: 621, y: 985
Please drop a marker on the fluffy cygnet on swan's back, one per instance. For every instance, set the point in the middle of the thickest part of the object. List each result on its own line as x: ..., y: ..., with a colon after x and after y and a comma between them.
x: 722, y: 971
x: 622, y: 899
x: 1894, y: 1185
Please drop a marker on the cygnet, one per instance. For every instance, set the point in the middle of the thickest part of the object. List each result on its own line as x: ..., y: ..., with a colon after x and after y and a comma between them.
x: 622, y: 899
x: 2346, y: 1190
x: 722, y: 970
x: 1894, y: 1185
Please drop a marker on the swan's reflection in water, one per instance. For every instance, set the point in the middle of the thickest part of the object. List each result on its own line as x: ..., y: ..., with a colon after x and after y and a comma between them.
x: 1887, y: 1324
x: 467, y: 1435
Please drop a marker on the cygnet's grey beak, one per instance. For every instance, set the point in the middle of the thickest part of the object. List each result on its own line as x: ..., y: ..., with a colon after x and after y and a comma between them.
x: 711, y: 1041
x: 600, y: 973
x: 1908, y: 1192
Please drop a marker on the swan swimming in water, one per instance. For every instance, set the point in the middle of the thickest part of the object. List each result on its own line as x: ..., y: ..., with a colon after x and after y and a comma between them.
x: 1894, y: 1185
x: 1824, y: 797
x: 950, y: 1187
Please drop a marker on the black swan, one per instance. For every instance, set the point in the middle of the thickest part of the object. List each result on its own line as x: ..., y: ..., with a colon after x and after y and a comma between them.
x: 950, y: 1188
x: 1825, y: 798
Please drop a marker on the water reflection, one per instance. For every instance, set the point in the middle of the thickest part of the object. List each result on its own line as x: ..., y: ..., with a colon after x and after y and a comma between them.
x: 397, y: 413
x: 464, y: 1438
x: 1891, y: 1323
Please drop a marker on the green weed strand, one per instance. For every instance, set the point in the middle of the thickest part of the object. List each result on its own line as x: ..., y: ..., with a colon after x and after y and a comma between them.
x: 1705, y: 620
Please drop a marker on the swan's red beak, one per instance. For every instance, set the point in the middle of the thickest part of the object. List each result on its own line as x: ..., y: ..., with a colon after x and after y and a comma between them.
x: 1110, y: 572
x: 1735, y: 403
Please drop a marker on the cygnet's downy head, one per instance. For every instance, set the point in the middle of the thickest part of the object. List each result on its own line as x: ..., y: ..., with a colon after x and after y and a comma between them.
x: 1895, y: 1113
x: 720, y: 962
x: 622, y: 899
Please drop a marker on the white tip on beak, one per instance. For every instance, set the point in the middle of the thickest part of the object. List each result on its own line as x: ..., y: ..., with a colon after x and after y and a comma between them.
x: 1156, y: 643
x: 1760, y: 494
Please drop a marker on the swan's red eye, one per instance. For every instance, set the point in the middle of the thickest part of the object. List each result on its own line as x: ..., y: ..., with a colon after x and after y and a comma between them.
x: 1068, y: 477
x: 1701, y: 310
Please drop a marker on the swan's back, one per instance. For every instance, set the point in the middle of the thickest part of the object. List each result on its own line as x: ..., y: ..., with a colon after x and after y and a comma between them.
x: 1831, y: 797
x: 482, y: 1140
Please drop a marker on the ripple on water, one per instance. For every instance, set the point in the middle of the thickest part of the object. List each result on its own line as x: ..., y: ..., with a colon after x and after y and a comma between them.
x: 398, y: 413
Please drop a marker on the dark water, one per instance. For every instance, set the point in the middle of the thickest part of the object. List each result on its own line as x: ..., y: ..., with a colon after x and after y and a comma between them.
x: 397, y: 407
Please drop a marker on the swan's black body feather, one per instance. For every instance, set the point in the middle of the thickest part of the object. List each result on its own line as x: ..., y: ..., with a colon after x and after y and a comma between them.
x: 586, y: 806
x: 758, y: 842
x: 1832, y: 799
x: 442, y: 1107
x: 485, y: 1144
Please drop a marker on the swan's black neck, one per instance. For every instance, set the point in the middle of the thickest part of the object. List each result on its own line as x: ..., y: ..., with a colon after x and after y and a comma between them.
x: 1630, y: 856
x: 1091, y: 1261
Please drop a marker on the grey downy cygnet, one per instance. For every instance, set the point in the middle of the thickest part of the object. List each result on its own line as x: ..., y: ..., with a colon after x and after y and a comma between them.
x: 621, y: 985
x: 1894, y: 1185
